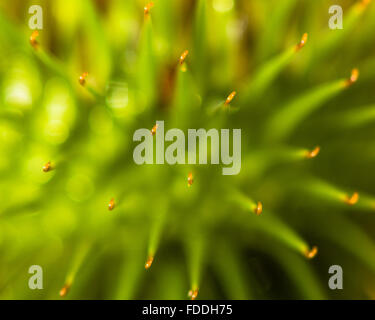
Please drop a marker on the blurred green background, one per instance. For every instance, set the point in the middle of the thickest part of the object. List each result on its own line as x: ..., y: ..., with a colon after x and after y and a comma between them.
x: 289, y: 100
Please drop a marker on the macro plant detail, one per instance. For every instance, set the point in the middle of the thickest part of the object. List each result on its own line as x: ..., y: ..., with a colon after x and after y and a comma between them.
x: 103, y: 227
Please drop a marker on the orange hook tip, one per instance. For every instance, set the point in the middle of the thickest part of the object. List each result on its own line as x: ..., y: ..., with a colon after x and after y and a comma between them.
x: 111, y: 204
x: 353, y: 77
x: 310, y: 254
x: 82, y: 78
x: 183, y: 56
x: 365, y: 3
x: 258, y: 209
x: 313, y: 153
x: 153, y: 130
x: 193, y: 294
x: 149, y: 261
x: 352, y: 200
x: 33, y: 40
x: 230, y: 98
x: 64, y: 291
x: 147, y: 8
x: 303, y: 41
x: 47, y: 167
x: 190, y: 179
